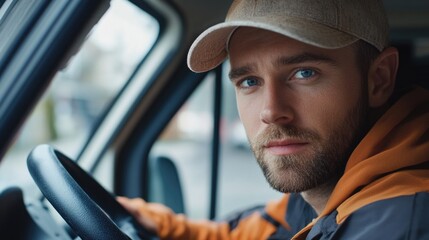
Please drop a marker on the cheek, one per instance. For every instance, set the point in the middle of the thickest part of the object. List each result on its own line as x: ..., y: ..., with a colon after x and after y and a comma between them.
x: 331, y: 107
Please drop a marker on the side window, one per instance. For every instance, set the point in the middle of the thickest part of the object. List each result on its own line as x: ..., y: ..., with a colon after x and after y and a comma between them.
x: 80, y: 93
x: 187, y: 142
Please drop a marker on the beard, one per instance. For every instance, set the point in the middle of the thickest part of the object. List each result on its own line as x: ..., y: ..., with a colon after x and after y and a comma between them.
x: 322, y: 164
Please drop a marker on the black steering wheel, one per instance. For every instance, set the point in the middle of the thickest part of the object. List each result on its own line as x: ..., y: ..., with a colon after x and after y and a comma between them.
x: 91, y: 211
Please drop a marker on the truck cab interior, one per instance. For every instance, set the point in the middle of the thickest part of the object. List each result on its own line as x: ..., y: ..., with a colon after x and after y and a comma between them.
x: 97, y: 101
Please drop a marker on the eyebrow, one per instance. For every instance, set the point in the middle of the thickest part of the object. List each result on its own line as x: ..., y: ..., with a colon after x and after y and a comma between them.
x: 240, y: 71
x: 281, y: 61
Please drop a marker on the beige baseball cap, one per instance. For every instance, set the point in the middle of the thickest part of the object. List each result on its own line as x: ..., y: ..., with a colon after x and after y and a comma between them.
x: 323, y: 23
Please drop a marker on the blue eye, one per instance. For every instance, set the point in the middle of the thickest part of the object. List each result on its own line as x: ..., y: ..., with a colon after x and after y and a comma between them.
x: 249, y: 83
x: 304, y: 73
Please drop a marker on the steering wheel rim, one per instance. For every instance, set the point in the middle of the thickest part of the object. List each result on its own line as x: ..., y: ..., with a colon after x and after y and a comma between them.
x: 90, y: 210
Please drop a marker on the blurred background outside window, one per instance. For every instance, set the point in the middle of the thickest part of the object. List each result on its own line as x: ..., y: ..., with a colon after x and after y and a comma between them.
x: 81, y: 92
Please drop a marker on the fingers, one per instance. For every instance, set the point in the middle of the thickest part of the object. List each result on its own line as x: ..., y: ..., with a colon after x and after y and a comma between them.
x: 134, y: 207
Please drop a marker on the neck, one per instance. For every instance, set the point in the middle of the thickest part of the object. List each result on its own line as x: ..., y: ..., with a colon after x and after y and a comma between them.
x: 318, y: 197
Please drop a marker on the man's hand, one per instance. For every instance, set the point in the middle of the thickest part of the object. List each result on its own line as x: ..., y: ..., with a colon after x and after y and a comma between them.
x: 134, y: 206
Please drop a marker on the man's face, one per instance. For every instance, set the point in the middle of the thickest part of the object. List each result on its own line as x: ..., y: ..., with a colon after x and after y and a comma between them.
x: 303, y: 108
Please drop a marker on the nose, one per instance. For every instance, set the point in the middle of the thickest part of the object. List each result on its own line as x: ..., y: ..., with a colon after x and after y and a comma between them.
x: 277, y: 106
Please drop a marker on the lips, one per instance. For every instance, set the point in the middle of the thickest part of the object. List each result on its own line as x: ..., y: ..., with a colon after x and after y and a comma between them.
x: 286, y: 147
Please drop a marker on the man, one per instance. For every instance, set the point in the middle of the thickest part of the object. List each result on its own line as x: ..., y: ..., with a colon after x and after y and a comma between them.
x: 315, y: 88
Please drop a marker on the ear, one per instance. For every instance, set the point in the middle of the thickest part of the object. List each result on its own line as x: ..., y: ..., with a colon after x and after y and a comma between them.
x: 382, y: 77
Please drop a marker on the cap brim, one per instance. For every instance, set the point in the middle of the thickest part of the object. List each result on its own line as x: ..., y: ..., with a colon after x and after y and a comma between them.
x: 209, y: 49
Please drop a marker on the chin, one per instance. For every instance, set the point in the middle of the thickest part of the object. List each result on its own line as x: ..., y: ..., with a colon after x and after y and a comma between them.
x: 287, y: 181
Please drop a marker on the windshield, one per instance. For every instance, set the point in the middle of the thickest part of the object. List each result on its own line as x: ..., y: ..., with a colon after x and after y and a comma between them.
x: 80, y: 93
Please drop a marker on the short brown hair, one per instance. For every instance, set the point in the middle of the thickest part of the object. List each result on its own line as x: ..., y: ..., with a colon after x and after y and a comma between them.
x: 366, y: 54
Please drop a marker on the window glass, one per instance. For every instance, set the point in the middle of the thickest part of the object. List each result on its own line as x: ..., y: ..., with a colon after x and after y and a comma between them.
x: 187, y: 142
x: 81, y: 91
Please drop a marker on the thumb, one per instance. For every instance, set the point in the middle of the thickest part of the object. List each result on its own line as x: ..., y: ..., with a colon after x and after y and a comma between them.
x: 134, y: 207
